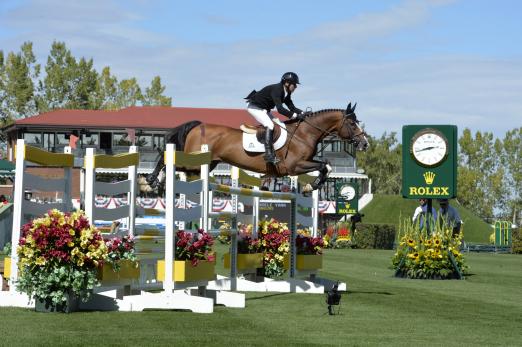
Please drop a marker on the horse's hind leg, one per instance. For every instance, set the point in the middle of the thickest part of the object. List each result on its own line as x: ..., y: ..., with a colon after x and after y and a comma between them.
x: 306, y: 166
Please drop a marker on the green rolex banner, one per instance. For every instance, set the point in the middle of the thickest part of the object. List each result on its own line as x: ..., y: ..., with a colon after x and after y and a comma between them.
x: 346, y: 198
x: 429, y: 161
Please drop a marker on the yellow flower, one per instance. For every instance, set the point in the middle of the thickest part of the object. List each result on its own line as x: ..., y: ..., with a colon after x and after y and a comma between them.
x: 411, y: 242
x: 437, y: 242
x: 40, y: 261
x: 71, y: 232
x: 428, y: 243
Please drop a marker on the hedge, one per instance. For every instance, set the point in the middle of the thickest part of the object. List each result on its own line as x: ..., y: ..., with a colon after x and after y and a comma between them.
x: 516, y: 240
x: 381, y: 236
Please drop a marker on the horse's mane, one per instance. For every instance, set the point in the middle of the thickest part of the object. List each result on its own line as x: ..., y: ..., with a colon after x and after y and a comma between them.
x: 316, y: 113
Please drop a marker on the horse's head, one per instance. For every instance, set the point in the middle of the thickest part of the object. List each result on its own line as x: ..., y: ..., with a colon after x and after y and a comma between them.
x: 350, y: 130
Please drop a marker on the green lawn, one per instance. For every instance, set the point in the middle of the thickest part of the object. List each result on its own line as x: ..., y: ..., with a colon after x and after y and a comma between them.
x: 390, y: 208
x: 484, y: 309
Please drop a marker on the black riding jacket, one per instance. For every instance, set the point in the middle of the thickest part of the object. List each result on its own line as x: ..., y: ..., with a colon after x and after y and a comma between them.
x: 273, y: 96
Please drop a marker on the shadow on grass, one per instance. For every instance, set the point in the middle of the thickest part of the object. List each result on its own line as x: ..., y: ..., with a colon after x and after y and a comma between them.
x: 350, y: 292
x: 267, y: 296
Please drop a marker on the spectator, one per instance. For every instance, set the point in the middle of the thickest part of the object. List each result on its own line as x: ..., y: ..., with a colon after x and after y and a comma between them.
x: 3, y: 200
x: 420, y: 213
x: 450, y: 216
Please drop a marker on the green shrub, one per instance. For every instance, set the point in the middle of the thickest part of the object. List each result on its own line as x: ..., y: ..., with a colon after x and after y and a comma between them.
x: 381, y: 236
x: 516, y: 239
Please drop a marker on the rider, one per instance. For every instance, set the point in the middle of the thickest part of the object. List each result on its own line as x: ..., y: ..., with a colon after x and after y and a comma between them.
x: 262, y: 102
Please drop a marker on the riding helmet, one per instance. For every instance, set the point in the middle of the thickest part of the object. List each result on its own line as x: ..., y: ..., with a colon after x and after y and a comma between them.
x: 290, y: 77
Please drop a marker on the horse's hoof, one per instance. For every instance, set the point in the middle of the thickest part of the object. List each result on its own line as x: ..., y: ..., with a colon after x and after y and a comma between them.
x: 152, y: 182
x: 308, y: 188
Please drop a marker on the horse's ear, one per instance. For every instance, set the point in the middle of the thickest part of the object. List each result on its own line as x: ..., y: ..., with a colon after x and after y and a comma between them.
x: 353, y: 108
x: 349, y: 108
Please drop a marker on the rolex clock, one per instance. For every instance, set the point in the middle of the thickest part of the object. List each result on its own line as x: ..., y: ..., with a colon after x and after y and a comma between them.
x: 429, y: 147
x: 347, y: 192
x: 429, y: 161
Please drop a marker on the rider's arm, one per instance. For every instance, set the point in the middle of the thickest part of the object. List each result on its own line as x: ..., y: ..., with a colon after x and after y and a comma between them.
x: 291, y: 106
x: 276, y: 97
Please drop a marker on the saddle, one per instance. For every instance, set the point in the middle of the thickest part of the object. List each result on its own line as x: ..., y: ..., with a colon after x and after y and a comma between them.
x: 260, y: 131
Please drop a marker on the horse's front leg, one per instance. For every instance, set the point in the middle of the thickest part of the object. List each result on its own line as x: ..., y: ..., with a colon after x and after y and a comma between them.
x: 306, y: 166
x: 152, y: 179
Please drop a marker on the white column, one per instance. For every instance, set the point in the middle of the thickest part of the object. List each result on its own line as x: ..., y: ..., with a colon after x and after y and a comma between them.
x: 170, y: 196
x: 90, y: 181
x: 131, y: 196
x: 315, y: 212
x: 67, y: 175
x: 17, y: 211
x: 205, y: 199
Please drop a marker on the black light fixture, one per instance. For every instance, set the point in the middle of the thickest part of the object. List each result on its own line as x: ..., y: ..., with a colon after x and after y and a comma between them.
x: 333, y: 298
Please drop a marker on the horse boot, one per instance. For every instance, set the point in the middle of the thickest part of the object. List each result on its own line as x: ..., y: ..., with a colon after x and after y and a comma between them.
x: 270, y: 156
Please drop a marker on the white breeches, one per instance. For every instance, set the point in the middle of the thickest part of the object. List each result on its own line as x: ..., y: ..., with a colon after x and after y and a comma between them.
x: 262, y: 116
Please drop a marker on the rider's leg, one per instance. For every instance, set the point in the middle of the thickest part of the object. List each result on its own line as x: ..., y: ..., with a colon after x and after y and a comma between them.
x: 263, y: 117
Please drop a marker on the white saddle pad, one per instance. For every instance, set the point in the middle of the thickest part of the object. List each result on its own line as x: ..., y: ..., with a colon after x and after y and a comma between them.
x: 250, y: 143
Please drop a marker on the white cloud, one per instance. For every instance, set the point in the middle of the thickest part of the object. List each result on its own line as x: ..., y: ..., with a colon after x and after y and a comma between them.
x: 338, y: 62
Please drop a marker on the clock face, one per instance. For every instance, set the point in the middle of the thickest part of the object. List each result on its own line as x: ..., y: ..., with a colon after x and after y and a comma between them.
x: 347, y: 192
x: 429, y: 147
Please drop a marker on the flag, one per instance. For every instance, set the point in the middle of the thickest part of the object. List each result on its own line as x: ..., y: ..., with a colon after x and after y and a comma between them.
x: 72, y: 141
x: 132, y: 134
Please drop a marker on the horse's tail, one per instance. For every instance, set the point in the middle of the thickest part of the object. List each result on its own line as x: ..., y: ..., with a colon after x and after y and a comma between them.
x: 178, y: 135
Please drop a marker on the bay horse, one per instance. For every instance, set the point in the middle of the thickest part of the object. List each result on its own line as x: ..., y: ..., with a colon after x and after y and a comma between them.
x: 296, y: 155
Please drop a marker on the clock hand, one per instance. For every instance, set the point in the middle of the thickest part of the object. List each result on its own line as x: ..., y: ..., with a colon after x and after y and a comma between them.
x: 425, y: 149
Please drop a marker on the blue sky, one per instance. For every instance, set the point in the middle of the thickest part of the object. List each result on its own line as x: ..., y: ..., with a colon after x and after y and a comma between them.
x: 404, y: 62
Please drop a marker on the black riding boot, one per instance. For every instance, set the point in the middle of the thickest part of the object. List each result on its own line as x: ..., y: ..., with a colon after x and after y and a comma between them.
x: 270, y: 156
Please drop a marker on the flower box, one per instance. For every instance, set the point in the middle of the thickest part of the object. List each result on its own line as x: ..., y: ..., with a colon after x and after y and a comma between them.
x: 305, y: 261
x: 72, y: 304
x: 245, y: 261
x: 128, y: 272
x: 183, y: 271
x: 7, y: 267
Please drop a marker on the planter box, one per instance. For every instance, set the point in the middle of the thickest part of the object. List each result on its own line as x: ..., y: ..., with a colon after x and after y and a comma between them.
x: 46, y: 305
x: 7, y: 267
x: 245, y: 261
x: 183, y: 271
x: 128, y: 272
x: 305, y: 262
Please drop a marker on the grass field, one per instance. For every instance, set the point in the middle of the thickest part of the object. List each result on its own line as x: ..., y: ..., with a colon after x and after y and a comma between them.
x: 379, y: 309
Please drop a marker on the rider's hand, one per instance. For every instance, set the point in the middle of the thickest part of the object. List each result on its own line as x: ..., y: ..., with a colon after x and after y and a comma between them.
x: 305, y: 114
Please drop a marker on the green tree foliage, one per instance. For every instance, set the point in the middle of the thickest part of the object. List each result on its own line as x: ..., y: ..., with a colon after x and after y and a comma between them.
x: 382, y: 163
x: 480, y: 176
x: 17, y: 90
x: 154, y: 94
x: 512, y: 162
x: 68, y: 83
x: 107, y: 90
x: 128, y: 93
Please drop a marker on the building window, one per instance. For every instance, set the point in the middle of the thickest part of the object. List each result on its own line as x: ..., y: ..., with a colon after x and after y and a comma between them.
x: 48, y: 142
x: 91, y: 139
x: 62, y: 139
x: 159, y: 141
x: 121, y: 140
x: 144, y: 141
x: 33, y: 138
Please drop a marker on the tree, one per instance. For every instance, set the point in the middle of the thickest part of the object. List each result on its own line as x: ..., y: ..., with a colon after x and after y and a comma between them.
x: 68, y: 83
x: 480, y: 176
x: 17, y: 73
x: 512, y: 162
x: 382, y: 163
x: 154, y: 94
x: 128, y: 93
x: 107, y: 90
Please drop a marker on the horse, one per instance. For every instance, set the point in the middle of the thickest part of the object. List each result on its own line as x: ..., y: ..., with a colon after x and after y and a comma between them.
x: 296, y: 155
